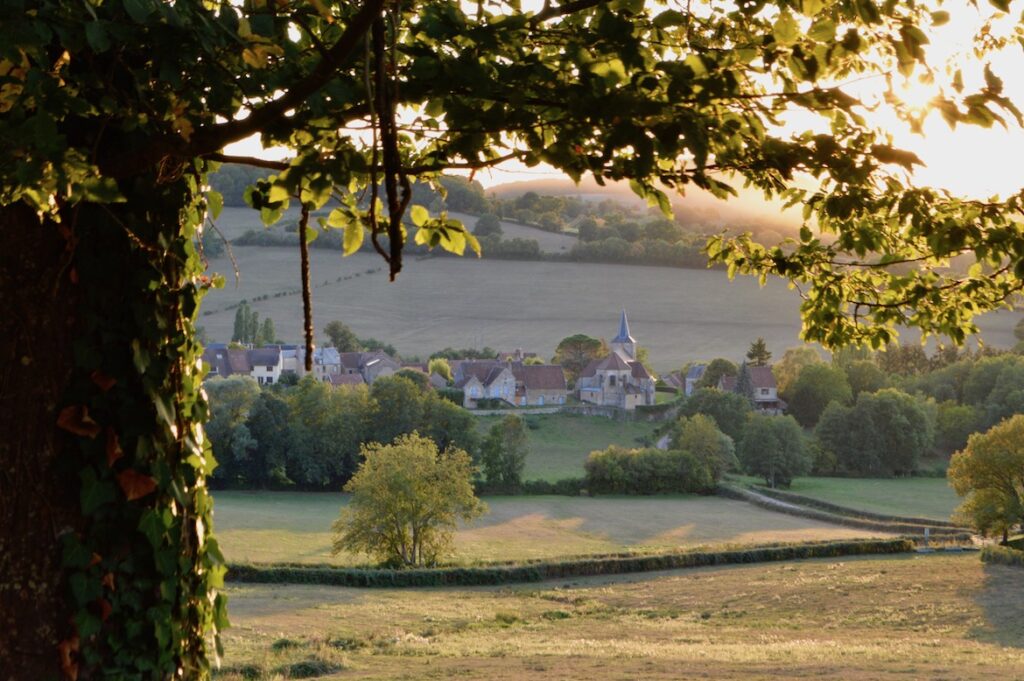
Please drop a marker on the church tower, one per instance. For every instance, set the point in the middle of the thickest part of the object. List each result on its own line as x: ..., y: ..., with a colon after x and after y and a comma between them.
x: 624, y: 344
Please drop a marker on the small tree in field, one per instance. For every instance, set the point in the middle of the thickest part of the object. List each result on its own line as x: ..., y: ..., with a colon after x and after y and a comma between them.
x: 989, y: 473
x: 406, y: 500
x: 504, y: 454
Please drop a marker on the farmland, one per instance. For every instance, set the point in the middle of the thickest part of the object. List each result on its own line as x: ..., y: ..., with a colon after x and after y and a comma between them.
x: 862, y: 618
x: 679, y: 314
x: 295, y: 527
x: 560, y: 443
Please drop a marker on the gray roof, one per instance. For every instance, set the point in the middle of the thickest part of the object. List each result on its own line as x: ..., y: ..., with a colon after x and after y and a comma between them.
x: 265, y: 356
x: 623, y: 335
x: 760, y: 377
x: 696, y: 371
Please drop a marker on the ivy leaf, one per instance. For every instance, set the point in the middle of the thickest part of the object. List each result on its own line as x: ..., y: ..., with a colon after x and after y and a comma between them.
x: 96, y: 35
x: 75, y: 419
x: 114, y: 451
x: 135, y: 485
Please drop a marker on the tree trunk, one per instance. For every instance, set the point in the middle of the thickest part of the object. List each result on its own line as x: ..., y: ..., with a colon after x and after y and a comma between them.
x: 38, y: 496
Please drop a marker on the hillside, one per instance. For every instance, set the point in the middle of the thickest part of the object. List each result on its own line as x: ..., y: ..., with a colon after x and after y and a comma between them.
x: 680, y: 314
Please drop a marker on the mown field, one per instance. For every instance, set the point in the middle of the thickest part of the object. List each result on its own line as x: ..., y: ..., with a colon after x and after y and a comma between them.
x: 295, y: 526
x: 917, y: 497
x: 560, y: 443
x: 681, y: 315
x: 920, y: 617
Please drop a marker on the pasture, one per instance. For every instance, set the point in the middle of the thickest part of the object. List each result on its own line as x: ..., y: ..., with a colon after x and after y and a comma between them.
x: 560, y: 443
x: 906, y: 617
x: 679, y: 314
x: 270, y: 527
x: 917, y: 497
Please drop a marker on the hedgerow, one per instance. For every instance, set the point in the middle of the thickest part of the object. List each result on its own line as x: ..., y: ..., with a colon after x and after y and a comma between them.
x: 1001, y: 555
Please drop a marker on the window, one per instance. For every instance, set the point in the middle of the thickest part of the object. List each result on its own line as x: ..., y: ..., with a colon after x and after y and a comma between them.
x: 611, y: 380
x: 764, y: 391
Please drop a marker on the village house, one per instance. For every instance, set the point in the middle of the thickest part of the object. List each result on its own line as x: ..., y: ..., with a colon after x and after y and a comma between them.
x: 538, y: 385
x: 619, y: 379
x: 766, y: 391
x: 484, y: 379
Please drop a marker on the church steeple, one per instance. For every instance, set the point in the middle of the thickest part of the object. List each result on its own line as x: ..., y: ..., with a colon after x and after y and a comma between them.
x: 624, y: 343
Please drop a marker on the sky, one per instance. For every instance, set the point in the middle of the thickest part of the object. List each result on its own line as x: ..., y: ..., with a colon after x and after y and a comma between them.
x: 970, y: 161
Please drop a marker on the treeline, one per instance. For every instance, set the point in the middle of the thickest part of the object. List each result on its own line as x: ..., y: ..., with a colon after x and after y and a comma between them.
x: 308, y: 435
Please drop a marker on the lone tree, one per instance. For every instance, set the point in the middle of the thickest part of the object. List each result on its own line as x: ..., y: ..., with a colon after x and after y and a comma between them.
x: 989, y: 474
x: 406, y: 500
x: 758, y: 354
x: 112, y: 114
x: 341, y: 337
x: 773, y: 448
x: 503, y: 455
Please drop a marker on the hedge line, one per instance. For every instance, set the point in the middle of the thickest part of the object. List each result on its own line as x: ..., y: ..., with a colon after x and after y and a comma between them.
x: 732, y: 492
x: 853, y: 513
x: 536, y: 572
x: 1002, y: 555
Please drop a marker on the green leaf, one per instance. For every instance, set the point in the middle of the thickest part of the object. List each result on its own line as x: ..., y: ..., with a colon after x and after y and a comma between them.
x: 823, y: 30
x: 138, y: 10
x: 940, y: 18
x: 214, y: 203
x: 786, y: 29
x: 354, y: 234
x: 419, y: 215
x: 278, y: 193
x: 96, y: 35
x: 1001, y: 5
x: 670, y: 18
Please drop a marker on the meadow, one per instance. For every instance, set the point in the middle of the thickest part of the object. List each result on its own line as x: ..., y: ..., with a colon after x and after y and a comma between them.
x: 905, y: 617
x: 560, y: 443
x: 270, y: 527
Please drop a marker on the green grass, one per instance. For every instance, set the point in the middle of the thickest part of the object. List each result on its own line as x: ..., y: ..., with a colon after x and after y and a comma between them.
x: 919, y: 497
x: 295, y: 526
x: 679, y: 314
x: 560, y: 443
x: 919, y: 617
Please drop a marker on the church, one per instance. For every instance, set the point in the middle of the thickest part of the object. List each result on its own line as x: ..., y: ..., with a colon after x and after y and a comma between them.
x: 618, y: 380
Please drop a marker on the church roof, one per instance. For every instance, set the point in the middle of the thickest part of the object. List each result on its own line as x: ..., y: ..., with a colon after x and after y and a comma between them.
x: 623, y: 336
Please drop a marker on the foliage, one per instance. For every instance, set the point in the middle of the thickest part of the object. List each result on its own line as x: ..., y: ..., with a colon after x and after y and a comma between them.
x: 440, y: 366
x: 617, y: 470
x: 758, y: 355
x: 816, y: 387
x: 864, y: 376
x: 575, y: 352
x: 406, y: 500
x: 266, y: 334
x: 1001, y: 555
x: 774, y: 448
x: 729, y: 410
x: 503, y: 455
x: 541, y: 571
x: 954, y: 423
x: 904, y: 360
x: 699, y: 436
x: 744, y: 384
x: 883, y: 434
x: 793, y: 361
x: 247, y: 324
x: 465, y: 353
x: 717, y: 368
x: 341, y: 337
x: 989, y: 474
x: 487, y: 224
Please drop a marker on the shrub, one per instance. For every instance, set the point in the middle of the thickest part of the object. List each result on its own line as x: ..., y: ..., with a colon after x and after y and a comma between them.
x: 617, y: 470
x: 1002, y: 556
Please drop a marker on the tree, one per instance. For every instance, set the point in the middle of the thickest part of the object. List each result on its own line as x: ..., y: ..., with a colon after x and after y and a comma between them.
x: 700, y: 436
x: 399, y: 408
x: 113, y: 114
x: 440, y: 366
x: 864, y: 376
x: 575, y: 352
x: 487, y: 225
x: 758, y: 353
x: 503, y: 455
x: 816, y: 387
x: 729, y: 410
x: 774, y: 448
x: 266, y: 334
x: 420, y: 491
x: 717, y: 368
x: 793, y: 361
x: 989, y: 474
x: 246, y: 324
x: 744, y: 384
x: 904, y: 360
x: 341, y: 337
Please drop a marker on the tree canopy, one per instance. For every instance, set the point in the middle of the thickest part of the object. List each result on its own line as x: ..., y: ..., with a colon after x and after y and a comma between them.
x: 989, y: 474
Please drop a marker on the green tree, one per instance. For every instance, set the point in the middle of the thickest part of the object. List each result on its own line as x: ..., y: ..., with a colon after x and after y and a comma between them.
x: 230, y: 401
x: 904, y: 360
x: 244, y: 324
x: 398, y: 408
x: 816, y: 387
x: 440, y: 366
x: 341, y: 337
x: 744, y: 384
x: 575, y: 352
x: 266, y: 334
x: 758, y: 353
x: 864, y: 376
x: 717, y: 368
x: 774, y: 448
x: 268, y: 424
x: 793, y: 361
x: 700, y: 436
x: 112, y: 115
x: 989, y: 474
x: 503, y: 455
x: 421, y: 492
x: 488, y: 225
x: 729, y: 410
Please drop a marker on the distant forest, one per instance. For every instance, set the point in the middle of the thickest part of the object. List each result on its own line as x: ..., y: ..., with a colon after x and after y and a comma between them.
x: 607, y: 231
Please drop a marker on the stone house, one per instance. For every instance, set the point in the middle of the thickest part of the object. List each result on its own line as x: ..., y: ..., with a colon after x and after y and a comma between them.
x: 619, y: 379
x: 539, y: 384
x: 484, y: 379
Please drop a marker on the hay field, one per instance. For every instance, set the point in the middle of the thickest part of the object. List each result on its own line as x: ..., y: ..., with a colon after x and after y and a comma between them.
x: 295, y: 526
x: 679, y: 314
x: 918, y: 617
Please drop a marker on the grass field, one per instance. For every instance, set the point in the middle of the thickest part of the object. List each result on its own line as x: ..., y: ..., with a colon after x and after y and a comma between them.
x: 295, y: 527
x: 920, y: 497
x: 560, y: 443
x: 934, y: 617
x: 680, y: 315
